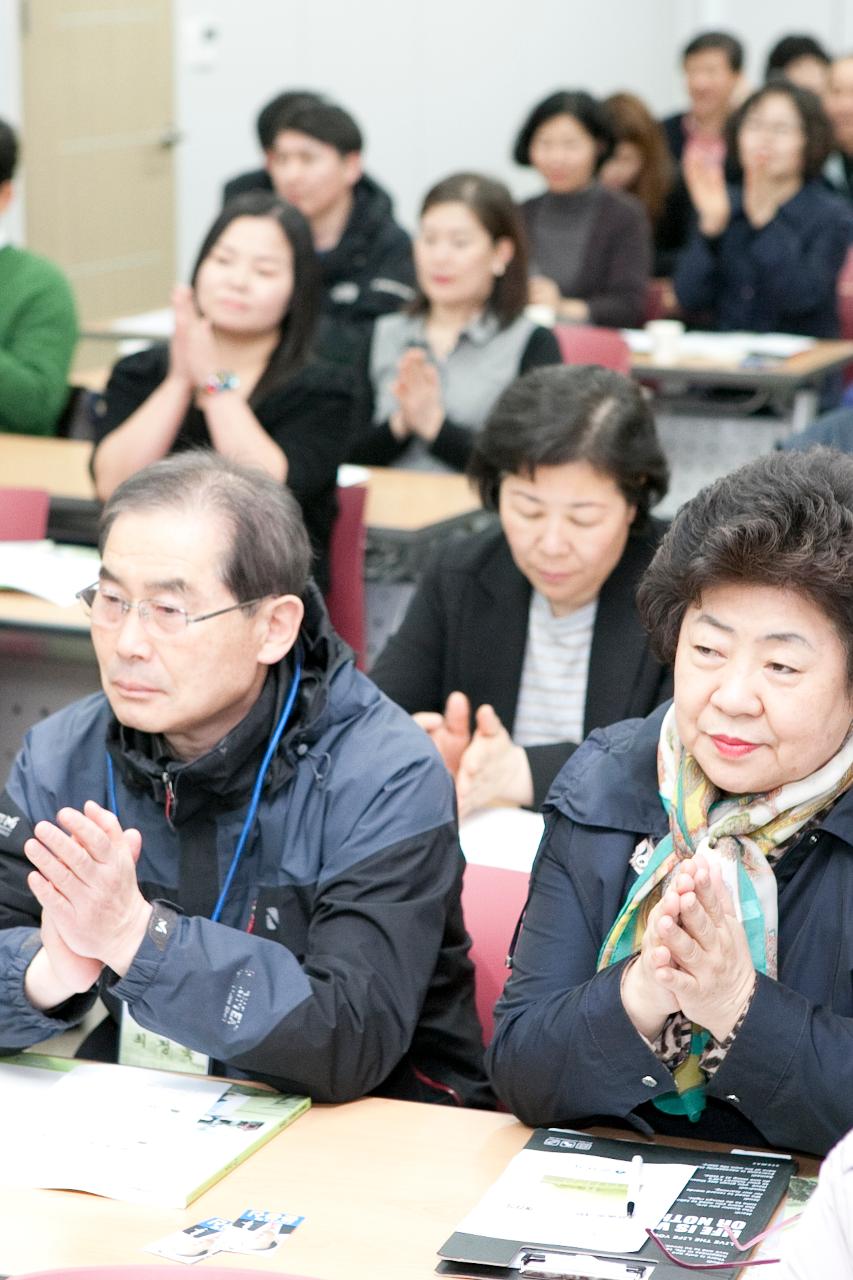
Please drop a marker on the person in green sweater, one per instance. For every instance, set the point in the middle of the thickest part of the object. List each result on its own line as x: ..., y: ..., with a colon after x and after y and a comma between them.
x: 38, y: 324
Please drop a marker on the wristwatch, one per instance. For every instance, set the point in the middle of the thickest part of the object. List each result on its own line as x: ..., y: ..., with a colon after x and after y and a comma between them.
x: 221, y: 381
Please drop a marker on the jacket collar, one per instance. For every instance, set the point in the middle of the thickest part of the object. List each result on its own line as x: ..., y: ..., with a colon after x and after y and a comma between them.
x: 224, y: 776
x: 611, y: 780
x: 371, y: 209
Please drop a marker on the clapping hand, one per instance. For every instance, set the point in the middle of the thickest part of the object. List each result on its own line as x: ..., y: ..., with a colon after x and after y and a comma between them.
x: 418, y: 392
x: 542, y: 291
x: 492, y: 770
x: 761, y: 195
x: 192, y: 352
x: 93, y: 912
x: 450, y: 731
x: 710, y: 972
x: 706, y: 183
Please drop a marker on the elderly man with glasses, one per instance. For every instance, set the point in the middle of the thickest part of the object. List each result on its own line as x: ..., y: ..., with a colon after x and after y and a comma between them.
x: 241, y: 845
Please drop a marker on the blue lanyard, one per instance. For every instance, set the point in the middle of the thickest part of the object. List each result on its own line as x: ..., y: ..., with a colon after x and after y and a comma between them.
x: 249, y: 820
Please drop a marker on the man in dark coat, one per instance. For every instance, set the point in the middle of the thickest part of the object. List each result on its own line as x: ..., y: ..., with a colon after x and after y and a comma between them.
x: 241, y: 845
x: 313, y: 160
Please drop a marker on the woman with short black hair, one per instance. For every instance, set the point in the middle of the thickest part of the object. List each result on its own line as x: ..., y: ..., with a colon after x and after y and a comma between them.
x: 685, y: 961
x: 526, y: 637
x: 591, y: 252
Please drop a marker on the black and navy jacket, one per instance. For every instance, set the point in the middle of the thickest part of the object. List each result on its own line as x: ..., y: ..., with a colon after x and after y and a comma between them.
x: 564, y: 1050
x: 340, y: 965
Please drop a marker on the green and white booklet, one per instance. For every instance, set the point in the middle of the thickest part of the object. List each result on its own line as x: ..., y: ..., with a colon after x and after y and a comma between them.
x: 144, y: 1136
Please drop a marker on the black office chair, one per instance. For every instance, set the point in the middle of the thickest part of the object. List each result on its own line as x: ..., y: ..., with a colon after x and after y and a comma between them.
x: 76, y: 420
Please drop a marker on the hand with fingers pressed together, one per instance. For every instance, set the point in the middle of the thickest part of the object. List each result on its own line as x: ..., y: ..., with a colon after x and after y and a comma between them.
x: 694, y: 957
x: 488, y: 767
x: 450, y: 730
x: 418, y: 391
x: 93, y: 913
x: 493, y: 770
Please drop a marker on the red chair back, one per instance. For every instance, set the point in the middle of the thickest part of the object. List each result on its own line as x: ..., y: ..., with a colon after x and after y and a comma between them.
x: 844, y: 297
x: 345, y: 597
x: 844, y: 293
x: 587, y: 344
x: 492, y: 901
x: 23, y: 514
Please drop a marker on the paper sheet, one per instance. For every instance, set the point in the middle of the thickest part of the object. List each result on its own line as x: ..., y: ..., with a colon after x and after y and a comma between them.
x: 55, y: 573
x: 505, y: 838
x: 576, y: 1201
x: 729, y: 348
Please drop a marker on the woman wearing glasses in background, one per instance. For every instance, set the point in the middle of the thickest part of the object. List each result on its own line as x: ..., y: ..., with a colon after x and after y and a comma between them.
x: 238, y: 375
x: 766, y: 253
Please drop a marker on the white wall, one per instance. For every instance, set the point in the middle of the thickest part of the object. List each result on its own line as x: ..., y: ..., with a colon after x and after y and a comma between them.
x: 437, y: 85
x: 10, y: 96
x: 760, y: 24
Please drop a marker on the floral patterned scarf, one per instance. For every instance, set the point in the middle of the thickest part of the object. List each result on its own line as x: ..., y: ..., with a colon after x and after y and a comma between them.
x: 739, y: 833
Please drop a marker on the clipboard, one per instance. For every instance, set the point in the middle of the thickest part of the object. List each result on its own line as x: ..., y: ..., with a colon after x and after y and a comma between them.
x: 741, y: 1187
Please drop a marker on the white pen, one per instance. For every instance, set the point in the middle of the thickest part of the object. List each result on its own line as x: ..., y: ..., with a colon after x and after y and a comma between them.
x: 635, y: 1175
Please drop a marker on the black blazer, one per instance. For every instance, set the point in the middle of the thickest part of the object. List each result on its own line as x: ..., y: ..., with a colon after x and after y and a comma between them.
x: 466, y: 628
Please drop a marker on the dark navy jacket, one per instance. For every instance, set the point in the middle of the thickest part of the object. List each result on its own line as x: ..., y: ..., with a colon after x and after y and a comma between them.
x: 355, y: 975
x: 778, y: 279
x: 564, y: 1048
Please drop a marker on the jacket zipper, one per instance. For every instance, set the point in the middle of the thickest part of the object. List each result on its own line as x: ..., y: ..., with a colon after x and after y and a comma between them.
x: 170, y: 796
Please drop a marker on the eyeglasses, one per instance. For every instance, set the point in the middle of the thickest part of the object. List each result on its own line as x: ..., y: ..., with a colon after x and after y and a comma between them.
x: 107, y: 608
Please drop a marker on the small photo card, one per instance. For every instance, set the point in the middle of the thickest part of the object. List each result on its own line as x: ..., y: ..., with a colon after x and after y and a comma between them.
x: 193, y: 1243
x: 259, y: 1231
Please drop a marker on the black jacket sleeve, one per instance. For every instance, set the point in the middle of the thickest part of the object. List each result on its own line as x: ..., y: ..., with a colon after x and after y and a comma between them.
x: 131, y: 381
x: 311, y: 419
x: 410, y: 669
x: 618, y: 298
x: 334, y: 1022
x: 542, y: 348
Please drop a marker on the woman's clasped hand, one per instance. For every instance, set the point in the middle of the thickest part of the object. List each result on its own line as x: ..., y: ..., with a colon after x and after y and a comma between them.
x: 694, y: 957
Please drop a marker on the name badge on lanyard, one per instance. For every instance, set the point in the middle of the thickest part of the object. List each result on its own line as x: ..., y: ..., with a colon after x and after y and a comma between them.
x: 140, y: 1048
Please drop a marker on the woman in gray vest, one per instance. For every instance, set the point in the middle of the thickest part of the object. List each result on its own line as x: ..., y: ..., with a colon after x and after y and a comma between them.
x: 436, y: 370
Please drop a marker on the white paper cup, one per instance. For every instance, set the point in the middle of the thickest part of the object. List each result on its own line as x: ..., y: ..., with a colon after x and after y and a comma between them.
x: 666, y: 338
x: 539, y: 313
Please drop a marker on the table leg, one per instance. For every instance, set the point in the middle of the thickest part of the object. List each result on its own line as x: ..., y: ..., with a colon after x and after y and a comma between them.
x: 804, y: 408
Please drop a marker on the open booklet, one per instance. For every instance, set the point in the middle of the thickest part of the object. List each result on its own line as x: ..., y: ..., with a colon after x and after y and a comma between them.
x: 145, y: 1136
x: 46, y: 569
x: 573, y: 1204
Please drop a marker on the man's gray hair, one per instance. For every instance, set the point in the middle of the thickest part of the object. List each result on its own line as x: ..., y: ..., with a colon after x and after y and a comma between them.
x: 269, y: 553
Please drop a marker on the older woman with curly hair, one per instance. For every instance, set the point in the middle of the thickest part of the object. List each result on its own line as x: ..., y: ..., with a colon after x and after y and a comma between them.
x: 686, y: 957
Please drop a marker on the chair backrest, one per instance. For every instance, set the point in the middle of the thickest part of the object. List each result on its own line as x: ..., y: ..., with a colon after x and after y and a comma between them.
x: 23, y: 514
x: 587, y: 344
x: 152, y: 1271
x: 492, y: 901
x: 844, y: 294
x: 345, y: 597
x: 658, y: 291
